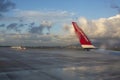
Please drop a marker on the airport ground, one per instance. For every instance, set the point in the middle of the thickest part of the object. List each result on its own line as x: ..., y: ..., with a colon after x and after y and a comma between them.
x: 58, y: 64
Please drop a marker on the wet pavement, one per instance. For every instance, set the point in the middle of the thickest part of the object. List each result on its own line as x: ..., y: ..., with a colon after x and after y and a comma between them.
x: 48, y: 64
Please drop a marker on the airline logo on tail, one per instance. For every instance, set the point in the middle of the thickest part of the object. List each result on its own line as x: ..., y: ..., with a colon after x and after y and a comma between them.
x: 83, y: 39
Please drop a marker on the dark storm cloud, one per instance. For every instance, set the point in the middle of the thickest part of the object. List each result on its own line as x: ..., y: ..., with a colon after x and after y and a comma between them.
x: 31, y: 24
x: 36, y: 30
x: 17, y: 27
x: 21, y: 25
x: 2, y: 25
x: 13, y: 26
x: 6, y: 5
x: 39, y: 29
x: 115, y: 6
x: 21, y: 20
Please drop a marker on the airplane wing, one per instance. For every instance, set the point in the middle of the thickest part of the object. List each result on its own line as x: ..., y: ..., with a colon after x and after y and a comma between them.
x: 83, y: 39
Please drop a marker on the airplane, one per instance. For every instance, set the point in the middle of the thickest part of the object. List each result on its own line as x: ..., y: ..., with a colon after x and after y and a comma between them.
x: 83, y: 39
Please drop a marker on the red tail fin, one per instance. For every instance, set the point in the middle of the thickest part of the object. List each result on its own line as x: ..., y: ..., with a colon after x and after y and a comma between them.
x: 83, y: 39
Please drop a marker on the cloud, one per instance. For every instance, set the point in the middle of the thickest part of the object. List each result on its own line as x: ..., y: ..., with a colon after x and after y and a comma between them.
x: 36, y: 30
x: 47, y: 24
x: 35, y: 40
x: 39, y: 29
x: 32, y: 24
x: 5, y: 6
x: 36, y: 16
x: 2, y: 25
x: 35, y: 23
x: 13, y: 26
x: 104, y: 31
x: 30, y: 20
x: 21, y: 25
x: 68, y: 29
x: 103, y: 27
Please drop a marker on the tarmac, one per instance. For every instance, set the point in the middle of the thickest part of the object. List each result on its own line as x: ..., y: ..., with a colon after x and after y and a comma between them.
x: 58, y: 64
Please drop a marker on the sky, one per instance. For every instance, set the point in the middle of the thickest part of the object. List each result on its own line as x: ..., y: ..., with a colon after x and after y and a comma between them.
x: 48, y: 22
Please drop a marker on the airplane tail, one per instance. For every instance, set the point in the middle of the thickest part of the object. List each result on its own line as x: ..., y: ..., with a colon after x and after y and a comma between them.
x: 83, y: 39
